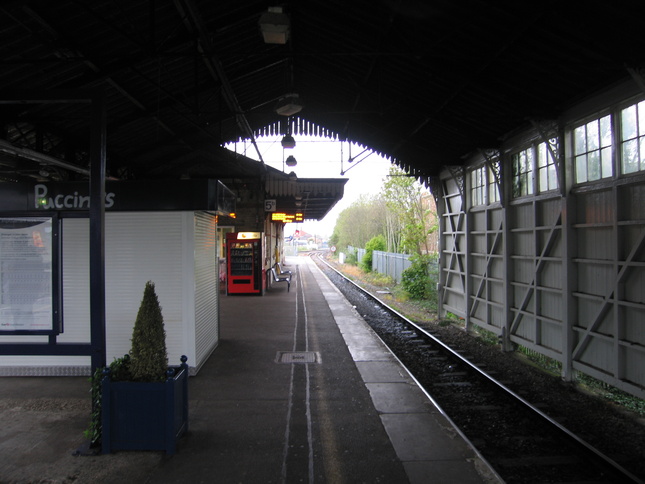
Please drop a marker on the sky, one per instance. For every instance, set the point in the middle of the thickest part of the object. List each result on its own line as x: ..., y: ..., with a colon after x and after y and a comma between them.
x: 321, y: 158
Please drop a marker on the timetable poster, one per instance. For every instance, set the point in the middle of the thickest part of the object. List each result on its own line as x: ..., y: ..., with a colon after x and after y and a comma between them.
x: 26, y: 274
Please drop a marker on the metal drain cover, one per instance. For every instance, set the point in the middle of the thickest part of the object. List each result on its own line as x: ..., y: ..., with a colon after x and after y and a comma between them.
x: 297, y: 357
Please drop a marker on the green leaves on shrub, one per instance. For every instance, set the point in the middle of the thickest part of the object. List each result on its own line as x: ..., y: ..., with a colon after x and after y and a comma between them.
x: 149, y: 359
x: 375, y: 243
x: 416, y: 279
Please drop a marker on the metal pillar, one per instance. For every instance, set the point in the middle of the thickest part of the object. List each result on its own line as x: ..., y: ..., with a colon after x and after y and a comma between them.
x: 97, y: 232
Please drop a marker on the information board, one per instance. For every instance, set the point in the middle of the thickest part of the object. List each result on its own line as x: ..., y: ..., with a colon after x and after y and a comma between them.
x: 26, y: 274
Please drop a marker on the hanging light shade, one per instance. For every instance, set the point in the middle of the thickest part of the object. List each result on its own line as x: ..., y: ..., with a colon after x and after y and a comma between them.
x: 275, y: 26
x: 288, y: 105
x: 288, y: 142
x: 291, y: 161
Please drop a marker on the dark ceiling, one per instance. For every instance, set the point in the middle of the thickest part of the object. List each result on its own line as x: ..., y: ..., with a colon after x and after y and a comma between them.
x: 422, y: 82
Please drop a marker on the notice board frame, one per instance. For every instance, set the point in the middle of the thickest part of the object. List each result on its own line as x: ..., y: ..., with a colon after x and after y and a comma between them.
x: 53, y: 246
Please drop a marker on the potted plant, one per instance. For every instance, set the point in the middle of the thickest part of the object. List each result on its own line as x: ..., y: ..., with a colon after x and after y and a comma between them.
x: 143, y: 402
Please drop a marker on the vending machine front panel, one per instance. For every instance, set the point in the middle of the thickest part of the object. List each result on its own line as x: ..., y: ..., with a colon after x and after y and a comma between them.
x: 244, y: 263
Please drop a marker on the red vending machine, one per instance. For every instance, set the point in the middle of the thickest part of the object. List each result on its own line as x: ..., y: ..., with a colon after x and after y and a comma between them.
x: 244, y: 256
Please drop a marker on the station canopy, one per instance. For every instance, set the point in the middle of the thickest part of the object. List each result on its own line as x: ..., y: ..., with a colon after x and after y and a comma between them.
x: 425, y: 84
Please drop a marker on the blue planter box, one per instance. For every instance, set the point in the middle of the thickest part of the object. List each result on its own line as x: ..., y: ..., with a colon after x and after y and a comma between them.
x: 145, y: 416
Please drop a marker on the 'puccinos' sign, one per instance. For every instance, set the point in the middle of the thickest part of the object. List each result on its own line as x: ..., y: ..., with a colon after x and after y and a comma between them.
x: 120, y: 196
x: 43, y: 200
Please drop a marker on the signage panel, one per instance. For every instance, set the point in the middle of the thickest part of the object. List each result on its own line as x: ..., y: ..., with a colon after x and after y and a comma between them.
x: 286, y: 217
x: 26, y: 274
x: 157, y: 195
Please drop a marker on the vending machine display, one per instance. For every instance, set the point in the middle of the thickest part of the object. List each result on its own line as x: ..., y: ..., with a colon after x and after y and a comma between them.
x: 244, y: 256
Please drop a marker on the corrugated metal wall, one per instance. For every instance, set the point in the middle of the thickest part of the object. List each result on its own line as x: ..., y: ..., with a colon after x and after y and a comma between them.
x: 557, y: 262
x: 175, y: 250
x: 206, y: 287
x: 141, y: 247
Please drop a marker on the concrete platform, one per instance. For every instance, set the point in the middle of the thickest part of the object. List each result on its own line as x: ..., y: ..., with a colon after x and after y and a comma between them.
x: 299, y: 390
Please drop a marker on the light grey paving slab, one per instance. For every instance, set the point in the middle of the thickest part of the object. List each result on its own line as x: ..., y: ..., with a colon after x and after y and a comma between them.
x: 382, y: 372
x: 338, y: 306
x: 443, y: 472
x: 363, y: 339
x: 399, y: 398
x: 374, y: 353
x: 349, y: 323
x: 439, y: 442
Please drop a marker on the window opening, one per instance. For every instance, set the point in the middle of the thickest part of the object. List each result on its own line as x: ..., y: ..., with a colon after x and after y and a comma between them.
x: 477, y: 184
x: 632, y: 122
x: 592, y: 147
x: 523, y: 173
x: 493, y: 189
x: 547, y: 174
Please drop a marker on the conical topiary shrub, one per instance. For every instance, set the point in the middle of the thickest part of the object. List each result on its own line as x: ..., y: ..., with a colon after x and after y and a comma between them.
x: 149, y: 359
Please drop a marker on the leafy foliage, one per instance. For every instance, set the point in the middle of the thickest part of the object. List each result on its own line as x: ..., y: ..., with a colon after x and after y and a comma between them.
x: 119, y: 371
x: 410, y: 218
x: 375, y: 243
x: 416, y: 278
x: 358, y: 223
x: 149, y: 358
x: 94, y: 431
x: 147, y: 361
x: 351, y: 259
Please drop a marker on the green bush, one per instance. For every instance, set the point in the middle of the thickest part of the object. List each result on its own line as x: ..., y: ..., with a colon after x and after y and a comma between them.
x: 147, y: 361
x: 351, y: 259
x: 149, y: 358
x: 416, y: 279
x: 119, y: 371
x: 375, y: 243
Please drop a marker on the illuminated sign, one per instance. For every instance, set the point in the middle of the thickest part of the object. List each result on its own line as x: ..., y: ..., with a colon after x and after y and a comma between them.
x: 248, y: 235
x: 286, y: 217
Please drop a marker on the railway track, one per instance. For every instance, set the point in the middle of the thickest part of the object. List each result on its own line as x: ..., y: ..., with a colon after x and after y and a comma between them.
x: 520, y: 441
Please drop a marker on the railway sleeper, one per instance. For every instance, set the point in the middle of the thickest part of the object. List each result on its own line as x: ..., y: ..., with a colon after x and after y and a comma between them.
x: 453, y: 384
x: 541, y: 460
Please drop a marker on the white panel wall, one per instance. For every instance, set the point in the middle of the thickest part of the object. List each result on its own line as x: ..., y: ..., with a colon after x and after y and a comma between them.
x: 206, y: 267
x: 141, y: 247
x: 175, y: 250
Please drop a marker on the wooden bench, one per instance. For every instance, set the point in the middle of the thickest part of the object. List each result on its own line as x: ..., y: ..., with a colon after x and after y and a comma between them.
x: 284, y: 277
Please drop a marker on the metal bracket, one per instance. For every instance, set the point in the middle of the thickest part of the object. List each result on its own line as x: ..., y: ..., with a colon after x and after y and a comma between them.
x: 638, y: 74
x: 493, y: 159
x: 458, y: 174
x: 548, y: 131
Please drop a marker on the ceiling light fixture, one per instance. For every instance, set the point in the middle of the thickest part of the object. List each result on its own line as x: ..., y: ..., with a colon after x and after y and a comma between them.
x: 275, y: 26
x: 288, y: 142
x: 288, y: 105
x: 291, y: 161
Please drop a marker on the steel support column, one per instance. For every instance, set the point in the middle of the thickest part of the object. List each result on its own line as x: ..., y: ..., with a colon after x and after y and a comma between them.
x: 97, y: 231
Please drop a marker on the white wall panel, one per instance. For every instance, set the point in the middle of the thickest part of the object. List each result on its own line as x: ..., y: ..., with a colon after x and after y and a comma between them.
x: 141, y: 247
x: 175, y: 250
x: 206, y: 268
